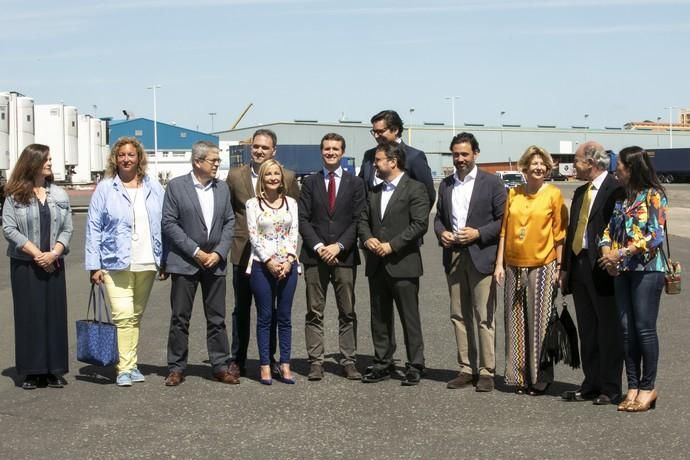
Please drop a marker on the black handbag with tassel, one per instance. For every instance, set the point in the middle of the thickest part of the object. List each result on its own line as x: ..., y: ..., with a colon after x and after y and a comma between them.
x: 556, y: 346
x: 573, y: 357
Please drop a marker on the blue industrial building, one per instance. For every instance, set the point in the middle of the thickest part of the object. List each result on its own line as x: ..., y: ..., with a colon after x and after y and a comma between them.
x: 171, y: 138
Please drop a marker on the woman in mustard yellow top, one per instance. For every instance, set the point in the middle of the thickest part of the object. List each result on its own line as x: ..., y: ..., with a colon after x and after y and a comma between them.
x: 529, y: 258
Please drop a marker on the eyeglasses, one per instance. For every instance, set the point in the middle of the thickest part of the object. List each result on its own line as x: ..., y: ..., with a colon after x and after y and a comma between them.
x: 377, y: 132
x: 212, y: 162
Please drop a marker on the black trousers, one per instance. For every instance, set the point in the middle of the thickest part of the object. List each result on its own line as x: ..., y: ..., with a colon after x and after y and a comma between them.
x: 601, y: 340
x: 182, y: 295
x: 241, y: 318
x: 384, y: 290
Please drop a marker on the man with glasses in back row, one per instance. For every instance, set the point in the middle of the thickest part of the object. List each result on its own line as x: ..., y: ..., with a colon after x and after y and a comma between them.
x: 387, y: 126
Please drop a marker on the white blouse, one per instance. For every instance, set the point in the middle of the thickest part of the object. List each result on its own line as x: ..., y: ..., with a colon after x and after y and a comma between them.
x: 272, y: 232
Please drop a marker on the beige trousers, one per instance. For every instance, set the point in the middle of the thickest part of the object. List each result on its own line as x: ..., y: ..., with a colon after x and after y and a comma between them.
x: 472, y: 310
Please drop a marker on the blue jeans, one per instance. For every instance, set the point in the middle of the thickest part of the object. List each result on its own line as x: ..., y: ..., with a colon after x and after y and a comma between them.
x: 638, y: 294
x: 269, y: 292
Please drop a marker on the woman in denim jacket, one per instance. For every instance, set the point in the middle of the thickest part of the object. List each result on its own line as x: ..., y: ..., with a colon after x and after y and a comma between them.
x: 37, y: 223
x: 123, y: 245
x: 631, y: 251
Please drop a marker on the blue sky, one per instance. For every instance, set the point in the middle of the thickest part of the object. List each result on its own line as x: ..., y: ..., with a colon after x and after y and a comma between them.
x: 542, y: 62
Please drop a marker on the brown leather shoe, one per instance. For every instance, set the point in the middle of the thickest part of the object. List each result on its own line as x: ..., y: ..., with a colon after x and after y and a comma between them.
x: 462, y: 380
x: 485, y: 384
x: 234, y: 370
x: 351, y: 373
x: 315, y: 372
x: 174, y: 378
x: 226, y: 376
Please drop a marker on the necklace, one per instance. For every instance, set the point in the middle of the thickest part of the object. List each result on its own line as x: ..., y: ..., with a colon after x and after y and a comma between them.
x: 132, y: 206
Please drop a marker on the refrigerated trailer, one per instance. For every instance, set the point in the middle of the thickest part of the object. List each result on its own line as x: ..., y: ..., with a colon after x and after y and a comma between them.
x: 56, y: 127
x: 20, y: 128
x: 4, y: 131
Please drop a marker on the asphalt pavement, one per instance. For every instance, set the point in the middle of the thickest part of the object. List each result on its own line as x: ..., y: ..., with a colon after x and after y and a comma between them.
x: 333, y: 418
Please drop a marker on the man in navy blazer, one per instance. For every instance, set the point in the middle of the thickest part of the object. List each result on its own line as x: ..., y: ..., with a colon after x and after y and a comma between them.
x: 391, y: 226
x: 330, y: 204
x: 197, y: 226
x: 601, y: 337
x: 468, y: 219
x: 387, y: 126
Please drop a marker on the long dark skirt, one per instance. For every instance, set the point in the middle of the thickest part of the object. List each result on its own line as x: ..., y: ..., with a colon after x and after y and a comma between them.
x: 40, y: 318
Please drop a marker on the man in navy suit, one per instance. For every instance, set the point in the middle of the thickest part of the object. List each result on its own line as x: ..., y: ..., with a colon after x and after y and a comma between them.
x: 468, y: 219
x: 197, y: 226
x: 387, y: 126
x: 601, y: 337
x: 330, y: 203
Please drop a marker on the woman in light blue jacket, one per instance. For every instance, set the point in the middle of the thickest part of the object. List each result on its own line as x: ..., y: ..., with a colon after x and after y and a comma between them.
x: 124, y: 246
x: 37, y: 223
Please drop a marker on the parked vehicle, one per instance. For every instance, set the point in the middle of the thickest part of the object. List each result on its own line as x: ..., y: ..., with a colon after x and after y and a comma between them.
x: 557, y: 177
x: 511, y: 179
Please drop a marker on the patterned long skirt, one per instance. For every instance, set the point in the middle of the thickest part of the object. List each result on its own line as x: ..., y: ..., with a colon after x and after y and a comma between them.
x: 529, y: 296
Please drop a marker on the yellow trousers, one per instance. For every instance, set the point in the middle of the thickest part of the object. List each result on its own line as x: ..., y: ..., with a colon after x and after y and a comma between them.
x: 128, y: 293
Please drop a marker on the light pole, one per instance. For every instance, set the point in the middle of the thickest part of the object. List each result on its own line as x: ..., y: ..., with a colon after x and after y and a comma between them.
x: 452, y: 105
x: 670, y: 126
x: 503, y: 112
x: 155, y: 128
x: 586, y: 116
x: 212, y: 114
x: 409, y: 128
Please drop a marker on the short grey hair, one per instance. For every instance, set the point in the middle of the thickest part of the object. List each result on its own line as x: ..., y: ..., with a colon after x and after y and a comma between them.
x: 200, y: 150
x: 599, y: 155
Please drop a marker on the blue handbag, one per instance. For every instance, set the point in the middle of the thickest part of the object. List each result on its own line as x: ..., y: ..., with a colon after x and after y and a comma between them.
x: 96, y: 338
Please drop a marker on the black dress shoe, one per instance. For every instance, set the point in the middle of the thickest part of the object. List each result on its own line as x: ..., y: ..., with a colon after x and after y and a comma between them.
x: 30, y: 382
x: 537, y: 392
x: 605, y: 400
x: 56, y: 381
x: 577, y: 395
x: 412, y: 377
x: 376, y: 375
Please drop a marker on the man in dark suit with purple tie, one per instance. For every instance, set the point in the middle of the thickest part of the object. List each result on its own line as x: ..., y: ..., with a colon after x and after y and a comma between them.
x: 329, y: 207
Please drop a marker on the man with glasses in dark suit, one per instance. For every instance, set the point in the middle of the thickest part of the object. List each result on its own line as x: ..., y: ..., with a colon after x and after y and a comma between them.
x: 387, y: 126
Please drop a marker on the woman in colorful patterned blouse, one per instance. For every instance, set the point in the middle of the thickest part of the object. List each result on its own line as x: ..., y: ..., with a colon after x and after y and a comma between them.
x: 631, y: 250
x: 273, y: 225
x: 529, y: 258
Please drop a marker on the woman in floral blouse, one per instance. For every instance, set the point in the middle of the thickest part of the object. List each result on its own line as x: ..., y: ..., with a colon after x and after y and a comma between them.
x: 631, y: 250
x: 273, y: 225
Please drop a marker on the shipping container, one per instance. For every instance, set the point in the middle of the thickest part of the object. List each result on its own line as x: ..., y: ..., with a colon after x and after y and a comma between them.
x: 671, y: 165
x: 303, y: 159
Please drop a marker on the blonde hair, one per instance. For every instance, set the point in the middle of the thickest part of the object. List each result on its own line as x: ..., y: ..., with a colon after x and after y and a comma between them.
x: 532, y: 150
x: 260, y: 190
x: 142, y: 163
